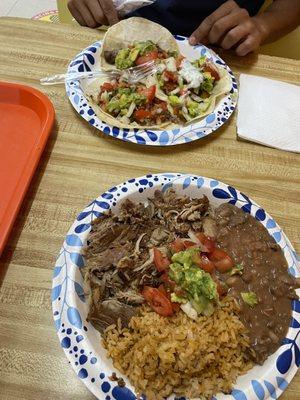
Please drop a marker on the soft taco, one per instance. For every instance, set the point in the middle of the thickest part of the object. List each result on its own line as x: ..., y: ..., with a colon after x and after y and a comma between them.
x: 135, y: 29
x: 179, y: 92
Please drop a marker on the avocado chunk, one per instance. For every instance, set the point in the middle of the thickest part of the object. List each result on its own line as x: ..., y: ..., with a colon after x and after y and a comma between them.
x: 200, y: 288
x: 123, y: 59
x: 174, y: 101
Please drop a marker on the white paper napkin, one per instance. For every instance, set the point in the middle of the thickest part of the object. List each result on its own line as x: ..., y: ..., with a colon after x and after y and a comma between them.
x: 126, y: 6
x: 269, y: 112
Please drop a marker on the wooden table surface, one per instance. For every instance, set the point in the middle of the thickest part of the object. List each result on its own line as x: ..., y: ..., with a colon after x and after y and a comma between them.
x: 77, y: 165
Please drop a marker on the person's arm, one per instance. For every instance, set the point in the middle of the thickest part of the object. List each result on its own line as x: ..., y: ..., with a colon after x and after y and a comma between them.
x: 280, y: 18
x: 93, y: 13
x: 231, y: 26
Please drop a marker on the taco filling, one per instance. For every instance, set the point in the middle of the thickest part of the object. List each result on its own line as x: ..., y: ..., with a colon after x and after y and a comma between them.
x: 177, y: 92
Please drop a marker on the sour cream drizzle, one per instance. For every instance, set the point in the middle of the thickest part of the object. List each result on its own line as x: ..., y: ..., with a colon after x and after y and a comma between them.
x: 190, y: 74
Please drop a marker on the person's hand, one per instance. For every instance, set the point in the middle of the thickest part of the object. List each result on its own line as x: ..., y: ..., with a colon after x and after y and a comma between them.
x: 93, y: 13
x: 230, y: 26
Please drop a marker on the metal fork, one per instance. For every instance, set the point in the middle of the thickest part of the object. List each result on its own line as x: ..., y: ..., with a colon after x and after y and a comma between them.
x: 131, y: 75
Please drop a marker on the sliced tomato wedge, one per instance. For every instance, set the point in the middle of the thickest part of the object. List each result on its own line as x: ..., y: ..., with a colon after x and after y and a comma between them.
x: 168, y: 281
x: 107, y: 87
x: 142, y: 114
x: 152, y: 55
x: 202, y: 261
x: 175, y: 306
x: 171, y: 76
x: 208, y: 67
x: 222, y: 289
x: 148, y: 92
x: 177, y: 246
x: 207, y: 241
x: 161, y: 261
x: 206, y: 264
x: 223, y: 262
x: 162, y: 289
x: 157, y: 301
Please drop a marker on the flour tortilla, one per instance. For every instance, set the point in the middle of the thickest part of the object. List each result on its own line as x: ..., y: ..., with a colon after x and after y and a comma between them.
x: 221, y: 88
x: 130, y: 30
x: 125, y: 33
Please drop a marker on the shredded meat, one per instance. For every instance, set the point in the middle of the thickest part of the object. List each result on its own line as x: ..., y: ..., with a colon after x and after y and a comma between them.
x: 118, y: 253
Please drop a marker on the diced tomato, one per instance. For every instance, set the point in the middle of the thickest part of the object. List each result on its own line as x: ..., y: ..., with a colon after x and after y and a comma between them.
x: 162, y: 54
x: 206, y: 264
x: 207, y: 241
x: 177, y: 246
x: 189, y: 243
x: 148, y: 92
x: 157, y: 301
x: 175, y: 306
x: 153, y: 55
x: 221, y: 288
x: 169, y: 284
x: 202, y: 261
x: 178, y: 60
x: 142, y: 114
x: 223, y: 262
x: 106, y: 87
x: 162, y: 289
x: 161, y: 261
x: 171, y: 76
x: 208, y: 67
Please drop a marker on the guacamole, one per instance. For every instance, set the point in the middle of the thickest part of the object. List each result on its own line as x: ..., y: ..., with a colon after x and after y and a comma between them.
x: 197, y: 285
x: 123, y: 98
x: 126, y: 57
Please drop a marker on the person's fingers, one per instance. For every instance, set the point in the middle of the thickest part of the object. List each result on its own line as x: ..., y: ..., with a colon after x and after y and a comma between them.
x: 206, y: 25
x: 251, y: 43
x: 225, y: 24
x: 76, y: 14
x: 86, y: 14
x: 96, y: 11
x: 109, y: 11
x: 236, y: 34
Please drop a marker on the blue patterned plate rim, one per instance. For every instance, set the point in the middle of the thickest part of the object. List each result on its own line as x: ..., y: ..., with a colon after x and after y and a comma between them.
x: 81, y: 342
x: 88, y: 60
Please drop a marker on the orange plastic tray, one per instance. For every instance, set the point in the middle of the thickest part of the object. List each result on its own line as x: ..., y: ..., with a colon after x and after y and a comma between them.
x: 26, y: 119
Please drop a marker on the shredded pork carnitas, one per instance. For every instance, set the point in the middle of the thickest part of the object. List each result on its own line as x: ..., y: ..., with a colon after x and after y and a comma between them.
x: 119, y: 252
